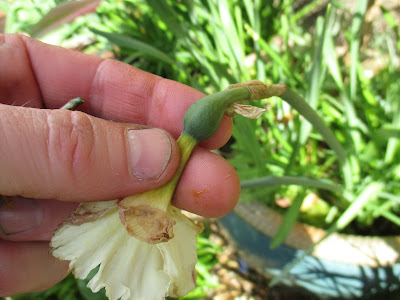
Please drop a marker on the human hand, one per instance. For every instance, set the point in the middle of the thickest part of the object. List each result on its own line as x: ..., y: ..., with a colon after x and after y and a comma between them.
x: 54, y: 159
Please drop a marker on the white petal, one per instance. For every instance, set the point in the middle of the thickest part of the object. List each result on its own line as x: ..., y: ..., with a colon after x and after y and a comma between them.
x: 129, y: 268
x: 180, y: 254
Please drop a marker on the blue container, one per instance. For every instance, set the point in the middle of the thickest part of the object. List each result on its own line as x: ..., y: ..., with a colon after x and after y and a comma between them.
x: 342, y: 267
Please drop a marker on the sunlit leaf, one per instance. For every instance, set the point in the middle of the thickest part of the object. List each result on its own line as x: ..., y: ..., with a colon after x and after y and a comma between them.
x: 62, y: 14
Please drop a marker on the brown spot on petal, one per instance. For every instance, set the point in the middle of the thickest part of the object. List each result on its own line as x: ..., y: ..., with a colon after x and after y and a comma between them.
x: 146, y: 223
x: 89, y: 212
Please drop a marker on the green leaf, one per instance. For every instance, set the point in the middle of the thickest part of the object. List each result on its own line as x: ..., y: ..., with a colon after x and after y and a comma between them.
x: 288, y: 222
x: 246, y: 139
x: 169, y: 16
x: 369, y: 192
x: 134, y: 44
x: 62, y: 14
x: 355, y: 42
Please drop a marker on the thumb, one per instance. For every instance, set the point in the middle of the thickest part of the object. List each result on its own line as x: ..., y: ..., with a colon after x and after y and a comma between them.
x: 71, y: 156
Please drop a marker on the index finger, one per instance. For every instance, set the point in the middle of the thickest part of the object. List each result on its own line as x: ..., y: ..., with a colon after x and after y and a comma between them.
x: 114, y: 90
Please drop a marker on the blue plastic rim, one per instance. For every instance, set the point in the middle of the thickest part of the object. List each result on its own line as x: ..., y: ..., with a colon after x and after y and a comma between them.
x: 321, y: 277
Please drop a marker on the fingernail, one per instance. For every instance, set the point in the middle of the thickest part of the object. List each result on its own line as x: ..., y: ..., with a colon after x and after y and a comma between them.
x: 18, y: 215
x: 149, y: 152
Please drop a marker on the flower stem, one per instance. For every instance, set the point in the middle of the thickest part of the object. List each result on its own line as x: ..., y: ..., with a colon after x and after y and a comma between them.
x: 186, y: 145
x: 290, y: 180
x: 298, y: 103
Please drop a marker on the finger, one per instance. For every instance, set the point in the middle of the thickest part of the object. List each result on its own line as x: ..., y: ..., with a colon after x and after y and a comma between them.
x: 71, y: 156
x: 213, y: 195
x: 209, y: 189
x: 24, y: 219
x: 112, y: 90
x: 17, y: 84
x: 28, y: 267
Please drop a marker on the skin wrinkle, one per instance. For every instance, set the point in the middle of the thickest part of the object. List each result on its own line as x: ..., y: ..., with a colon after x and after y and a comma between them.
x: 54, y: 143
x: 140, y: 108
x: 32, y: 116
x: 153, y: 95
x: 83, y: 142
x: 68, y: 141
x: 13, y: 117
x: 93, y: 84
x: 101, y: 86
x: 49, y: 143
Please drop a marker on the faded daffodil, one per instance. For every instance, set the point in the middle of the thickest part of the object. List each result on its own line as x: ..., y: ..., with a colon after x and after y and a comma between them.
x: 144, y: 247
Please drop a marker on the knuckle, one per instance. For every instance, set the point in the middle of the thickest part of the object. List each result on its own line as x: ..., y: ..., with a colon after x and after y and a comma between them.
x: 71, y: 140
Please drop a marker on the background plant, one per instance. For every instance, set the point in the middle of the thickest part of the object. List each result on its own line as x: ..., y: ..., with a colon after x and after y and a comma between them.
x: 348, y: 75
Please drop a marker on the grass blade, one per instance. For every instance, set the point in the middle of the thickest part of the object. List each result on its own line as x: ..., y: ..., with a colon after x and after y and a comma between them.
x: 288, y: 221
x: 169, y: 17
x: 62, y: 14
x: 355, y: 42
x: 134, y: 44
x: 249, y: 142
x: 312, y: 94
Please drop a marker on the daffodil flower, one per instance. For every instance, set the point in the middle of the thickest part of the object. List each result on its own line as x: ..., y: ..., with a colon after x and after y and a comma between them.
x: 129, y: 268
x: 145, y: 248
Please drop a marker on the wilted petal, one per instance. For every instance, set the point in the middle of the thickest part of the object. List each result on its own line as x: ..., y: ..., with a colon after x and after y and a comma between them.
x: 89, y: 211
x: 129, y: 268
x: 180, y: 254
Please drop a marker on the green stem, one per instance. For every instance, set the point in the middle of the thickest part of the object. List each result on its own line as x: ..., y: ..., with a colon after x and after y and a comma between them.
x: 186, y: 145
x: 298, y: 103
x: 290, y: 180
x: 73, y: 103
